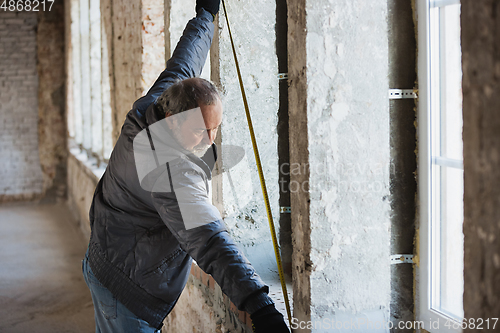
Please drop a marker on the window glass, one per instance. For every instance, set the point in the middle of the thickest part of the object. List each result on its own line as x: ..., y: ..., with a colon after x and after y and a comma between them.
x: 89, y: 111
x: 446, y: 244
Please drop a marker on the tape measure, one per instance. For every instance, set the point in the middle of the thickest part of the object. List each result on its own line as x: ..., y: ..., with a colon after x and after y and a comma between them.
x: 261, y: 174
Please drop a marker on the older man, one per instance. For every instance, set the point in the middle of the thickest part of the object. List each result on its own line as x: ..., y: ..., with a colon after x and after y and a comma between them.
x: 151, y: 216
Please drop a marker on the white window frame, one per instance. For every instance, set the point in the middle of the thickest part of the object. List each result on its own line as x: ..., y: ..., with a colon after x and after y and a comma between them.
x: 89, y: 113
x: 426, y: 315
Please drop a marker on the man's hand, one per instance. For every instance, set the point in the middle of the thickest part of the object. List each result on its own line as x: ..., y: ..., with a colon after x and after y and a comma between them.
x: 211, y: 6
x: 268, y: 320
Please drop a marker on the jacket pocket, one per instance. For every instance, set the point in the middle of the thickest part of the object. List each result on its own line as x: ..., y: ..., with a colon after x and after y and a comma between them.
x: 174, y: 260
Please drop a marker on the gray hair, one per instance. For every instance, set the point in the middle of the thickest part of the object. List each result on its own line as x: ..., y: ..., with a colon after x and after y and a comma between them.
x: 187, y: 94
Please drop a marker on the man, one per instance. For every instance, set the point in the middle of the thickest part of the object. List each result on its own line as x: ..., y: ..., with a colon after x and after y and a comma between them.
x: 150, y: 214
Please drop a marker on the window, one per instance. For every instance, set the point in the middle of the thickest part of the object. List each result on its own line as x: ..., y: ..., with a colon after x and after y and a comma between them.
x: 89, y: 113
x: 440, y: 274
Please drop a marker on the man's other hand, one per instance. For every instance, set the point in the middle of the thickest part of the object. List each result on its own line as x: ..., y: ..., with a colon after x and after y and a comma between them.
x: 211, y: 6
x: 268, y: 320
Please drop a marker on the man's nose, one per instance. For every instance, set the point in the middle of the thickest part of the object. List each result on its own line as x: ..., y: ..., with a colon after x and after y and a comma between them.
x: 210, y: 136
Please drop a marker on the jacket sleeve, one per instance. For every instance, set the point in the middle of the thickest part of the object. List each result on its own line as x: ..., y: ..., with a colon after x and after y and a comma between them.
x: 207, y: 241
x: 187, y: 60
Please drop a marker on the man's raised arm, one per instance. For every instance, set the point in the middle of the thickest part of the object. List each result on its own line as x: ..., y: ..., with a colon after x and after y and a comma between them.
x: 190, y: 53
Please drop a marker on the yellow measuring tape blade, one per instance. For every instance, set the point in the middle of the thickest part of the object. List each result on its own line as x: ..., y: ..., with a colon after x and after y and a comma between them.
x: 261, y: 174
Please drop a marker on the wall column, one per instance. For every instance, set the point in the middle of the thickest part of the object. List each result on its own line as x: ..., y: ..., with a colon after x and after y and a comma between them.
x: 138, y: 52
x: 52, y: 126
x: 340, y: 151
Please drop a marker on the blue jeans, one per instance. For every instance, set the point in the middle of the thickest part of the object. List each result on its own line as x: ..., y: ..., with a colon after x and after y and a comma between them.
x: 111, y: 316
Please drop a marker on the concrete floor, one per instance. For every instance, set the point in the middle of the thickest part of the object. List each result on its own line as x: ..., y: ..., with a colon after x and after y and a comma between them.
x: 41, y: 283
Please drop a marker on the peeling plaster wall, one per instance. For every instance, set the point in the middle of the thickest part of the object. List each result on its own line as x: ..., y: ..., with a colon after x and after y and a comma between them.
x: 481, y: 103
x: 349, y: 135
x: 349, y: 159
x: 253, y: 28
x: 137, y: 51
x: 127, y: 58
x: 153, y: 42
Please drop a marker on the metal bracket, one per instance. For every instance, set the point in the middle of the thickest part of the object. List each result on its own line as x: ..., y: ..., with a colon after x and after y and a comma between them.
x: 285, y: 209
x: 403, y: 93
x: 282, y: 76
x: 402, y: 259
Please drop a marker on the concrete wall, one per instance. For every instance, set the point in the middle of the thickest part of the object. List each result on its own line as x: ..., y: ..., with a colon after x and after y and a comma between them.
x: 345, y: 218
x: 481, y: 102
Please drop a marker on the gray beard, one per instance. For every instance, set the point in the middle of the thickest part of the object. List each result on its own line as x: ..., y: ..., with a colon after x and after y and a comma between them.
x: 200, y: 151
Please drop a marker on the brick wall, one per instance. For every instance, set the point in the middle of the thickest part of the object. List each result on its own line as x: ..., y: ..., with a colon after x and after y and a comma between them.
x: 203, y: 307
x: 20, y: 172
